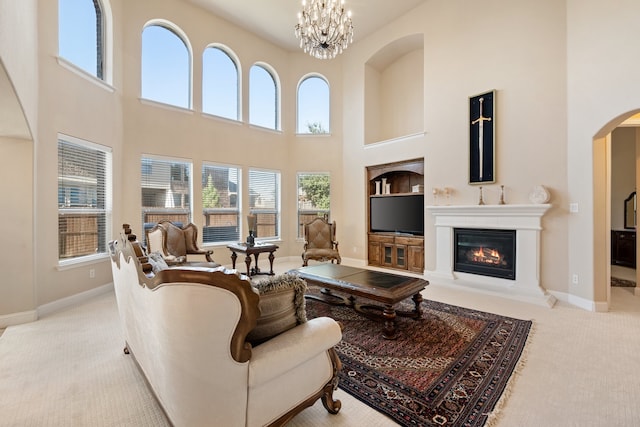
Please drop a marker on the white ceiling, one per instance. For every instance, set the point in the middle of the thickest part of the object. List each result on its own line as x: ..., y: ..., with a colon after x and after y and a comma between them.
x: 274, y: 20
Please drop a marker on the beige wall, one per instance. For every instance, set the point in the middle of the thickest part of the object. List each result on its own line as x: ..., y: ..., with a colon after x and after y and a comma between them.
x: 18, y: 119
x: 153, y: 129
x: 17, y: 292
x: 602, y: 91
x: 557, y: 90
x: 509, y: 55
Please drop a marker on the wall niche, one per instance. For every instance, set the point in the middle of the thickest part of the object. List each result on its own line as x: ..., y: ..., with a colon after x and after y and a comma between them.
x: 394, y: 90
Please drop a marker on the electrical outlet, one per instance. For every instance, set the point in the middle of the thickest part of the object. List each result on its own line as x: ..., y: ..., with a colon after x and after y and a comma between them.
x: 92, y: 273
x: 355, y: 249
x: 573, y: 207
x: 574, y: 279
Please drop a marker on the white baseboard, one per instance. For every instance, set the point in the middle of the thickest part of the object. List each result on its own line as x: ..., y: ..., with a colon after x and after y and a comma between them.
x: 18, y: 318
x: 580, y: 302
x: 72, y: 300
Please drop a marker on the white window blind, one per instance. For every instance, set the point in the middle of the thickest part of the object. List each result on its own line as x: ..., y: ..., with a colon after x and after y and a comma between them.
x: 220, y: 203
x: 314, y: 198
x: 84, y: 198
x: 264, y: 201
x: 166, y: 191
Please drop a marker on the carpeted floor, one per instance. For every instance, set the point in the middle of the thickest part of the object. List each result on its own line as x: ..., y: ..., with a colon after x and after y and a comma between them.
x: 68, y: 369
x: 449, y: 367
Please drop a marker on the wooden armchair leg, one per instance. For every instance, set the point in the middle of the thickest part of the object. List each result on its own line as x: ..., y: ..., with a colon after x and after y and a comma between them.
x: 332, y: 406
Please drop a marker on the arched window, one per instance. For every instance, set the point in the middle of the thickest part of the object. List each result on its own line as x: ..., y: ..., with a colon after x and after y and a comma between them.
x: 166, y: 66
x: 81, y: 34
x: 263, y: 98
x: 313, y: 106
x: 220, y: 88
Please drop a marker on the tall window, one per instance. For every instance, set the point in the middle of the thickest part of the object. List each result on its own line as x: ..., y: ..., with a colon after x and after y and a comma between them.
x: 264, y: 201
x: 313, y: 106
x: 166, y: 191
x: 220, y: 203
x: 220, y: 88
x: 263, y: 98
x: 81, y: 35
x: 166, y: 66
x: 84, y: 198
x: 314, y: 198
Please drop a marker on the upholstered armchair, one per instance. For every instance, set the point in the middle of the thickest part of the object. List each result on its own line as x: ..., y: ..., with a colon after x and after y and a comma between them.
x: 320, y: 242
x: 175, y: 243
x: 189, y: 330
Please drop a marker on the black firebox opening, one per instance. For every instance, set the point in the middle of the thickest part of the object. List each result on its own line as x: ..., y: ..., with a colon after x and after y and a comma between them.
x: 485, y: 252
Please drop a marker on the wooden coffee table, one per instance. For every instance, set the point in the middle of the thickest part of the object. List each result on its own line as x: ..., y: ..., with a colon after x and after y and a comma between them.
x: 254, y: 250
x: 386, y: 288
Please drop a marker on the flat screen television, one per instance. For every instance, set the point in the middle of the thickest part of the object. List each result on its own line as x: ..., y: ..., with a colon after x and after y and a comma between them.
x: 397, y: 214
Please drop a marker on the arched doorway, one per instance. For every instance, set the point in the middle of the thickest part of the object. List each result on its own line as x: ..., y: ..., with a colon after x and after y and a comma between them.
x: 602, y: 192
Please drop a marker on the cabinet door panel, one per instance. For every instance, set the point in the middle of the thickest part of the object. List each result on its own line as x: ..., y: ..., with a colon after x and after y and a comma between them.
x: 416, y: 259
x: 374, y: 253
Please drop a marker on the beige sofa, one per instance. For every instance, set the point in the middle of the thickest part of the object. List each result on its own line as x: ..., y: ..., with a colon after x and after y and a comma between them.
x: 187, y: 329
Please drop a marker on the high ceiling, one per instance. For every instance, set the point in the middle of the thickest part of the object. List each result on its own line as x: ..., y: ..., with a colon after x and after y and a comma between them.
x: 274, y: 20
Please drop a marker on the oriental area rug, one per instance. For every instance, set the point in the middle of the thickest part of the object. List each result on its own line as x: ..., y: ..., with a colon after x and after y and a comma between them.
x: 448, y: 368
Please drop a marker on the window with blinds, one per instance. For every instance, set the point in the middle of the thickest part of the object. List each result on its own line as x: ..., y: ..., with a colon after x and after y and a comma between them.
x: 314, y: 198
x: 264, y: 202
x: 84, y: 198
x: 166, y: 191
x: 220, y: 203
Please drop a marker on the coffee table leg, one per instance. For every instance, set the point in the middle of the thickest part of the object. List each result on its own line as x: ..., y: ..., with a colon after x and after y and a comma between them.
x: 417, y: 300
x: 389, y: 332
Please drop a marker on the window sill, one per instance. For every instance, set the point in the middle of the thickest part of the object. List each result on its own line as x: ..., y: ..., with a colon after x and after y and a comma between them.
x: 68, y: 264
x: 85, y: 75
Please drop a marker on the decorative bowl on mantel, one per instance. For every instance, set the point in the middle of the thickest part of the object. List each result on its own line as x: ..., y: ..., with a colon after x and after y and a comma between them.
x: 539, y: 195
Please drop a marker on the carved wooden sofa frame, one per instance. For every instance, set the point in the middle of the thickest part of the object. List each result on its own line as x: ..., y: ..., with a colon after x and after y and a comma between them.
x: 135, y: 285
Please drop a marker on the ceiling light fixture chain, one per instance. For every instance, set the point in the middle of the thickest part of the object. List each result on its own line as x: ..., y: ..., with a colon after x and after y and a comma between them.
x: 324, y: 28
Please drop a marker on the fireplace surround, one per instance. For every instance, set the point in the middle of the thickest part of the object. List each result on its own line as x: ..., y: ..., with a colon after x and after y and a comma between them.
x: 524, y: 220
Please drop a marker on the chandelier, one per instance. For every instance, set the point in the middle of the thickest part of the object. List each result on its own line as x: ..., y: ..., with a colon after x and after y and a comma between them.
x: 324, y: 29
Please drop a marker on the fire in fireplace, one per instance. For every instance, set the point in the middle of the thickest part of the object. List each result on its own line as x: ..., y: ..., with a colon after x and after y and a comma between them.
x: 485, y: 252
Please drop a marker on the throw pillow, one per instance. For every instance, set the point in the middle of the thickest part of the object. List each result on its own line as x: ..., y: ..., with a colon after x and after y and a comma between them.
x: 282, y: 306
x: 157, y: 262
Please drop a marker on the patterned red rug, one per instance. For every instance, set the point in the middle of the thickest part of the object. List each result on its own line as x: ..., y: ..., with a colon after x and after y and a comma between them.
x: 448, y: 368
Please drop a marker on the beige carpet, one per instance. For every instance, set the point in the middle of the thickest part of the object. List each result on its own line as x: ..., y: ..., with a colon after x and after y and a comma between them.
x: 68, y: 369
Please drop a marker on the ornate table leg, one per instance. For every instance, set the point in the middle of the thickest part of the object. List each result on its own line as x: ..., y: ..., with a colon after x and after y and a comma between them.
x: 256, y: 269
x: 389, y: 331
x: 271, y: 258
x: 247, y: 261
x: 417, y: 300
x: 233, y: 260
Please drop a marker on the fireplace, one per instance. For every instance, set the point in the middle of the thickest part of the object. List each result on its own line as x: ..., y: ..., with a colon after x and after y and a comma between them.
x: 524, y: 222
x: 485, y: 252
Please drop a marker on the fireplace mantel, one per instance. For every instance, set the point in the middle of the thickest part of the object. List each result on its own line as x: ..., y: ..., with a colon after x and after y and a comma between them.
x: 525, y: 219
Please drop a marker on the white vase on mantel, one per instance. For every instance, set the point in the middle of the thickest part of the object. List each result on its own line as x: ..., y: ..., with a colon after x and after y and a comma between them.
x: 384, y: 185
x: 539, y: 195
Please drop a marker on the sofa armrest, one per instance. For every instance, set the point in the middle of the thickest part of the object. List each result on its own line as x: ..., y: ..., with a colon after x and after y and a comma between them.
x: 292, y: 348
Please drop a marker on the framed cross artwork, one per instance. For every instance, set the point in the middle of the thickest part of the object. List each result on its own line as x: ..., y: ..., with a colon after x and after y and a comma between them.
x: 482, y: 125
